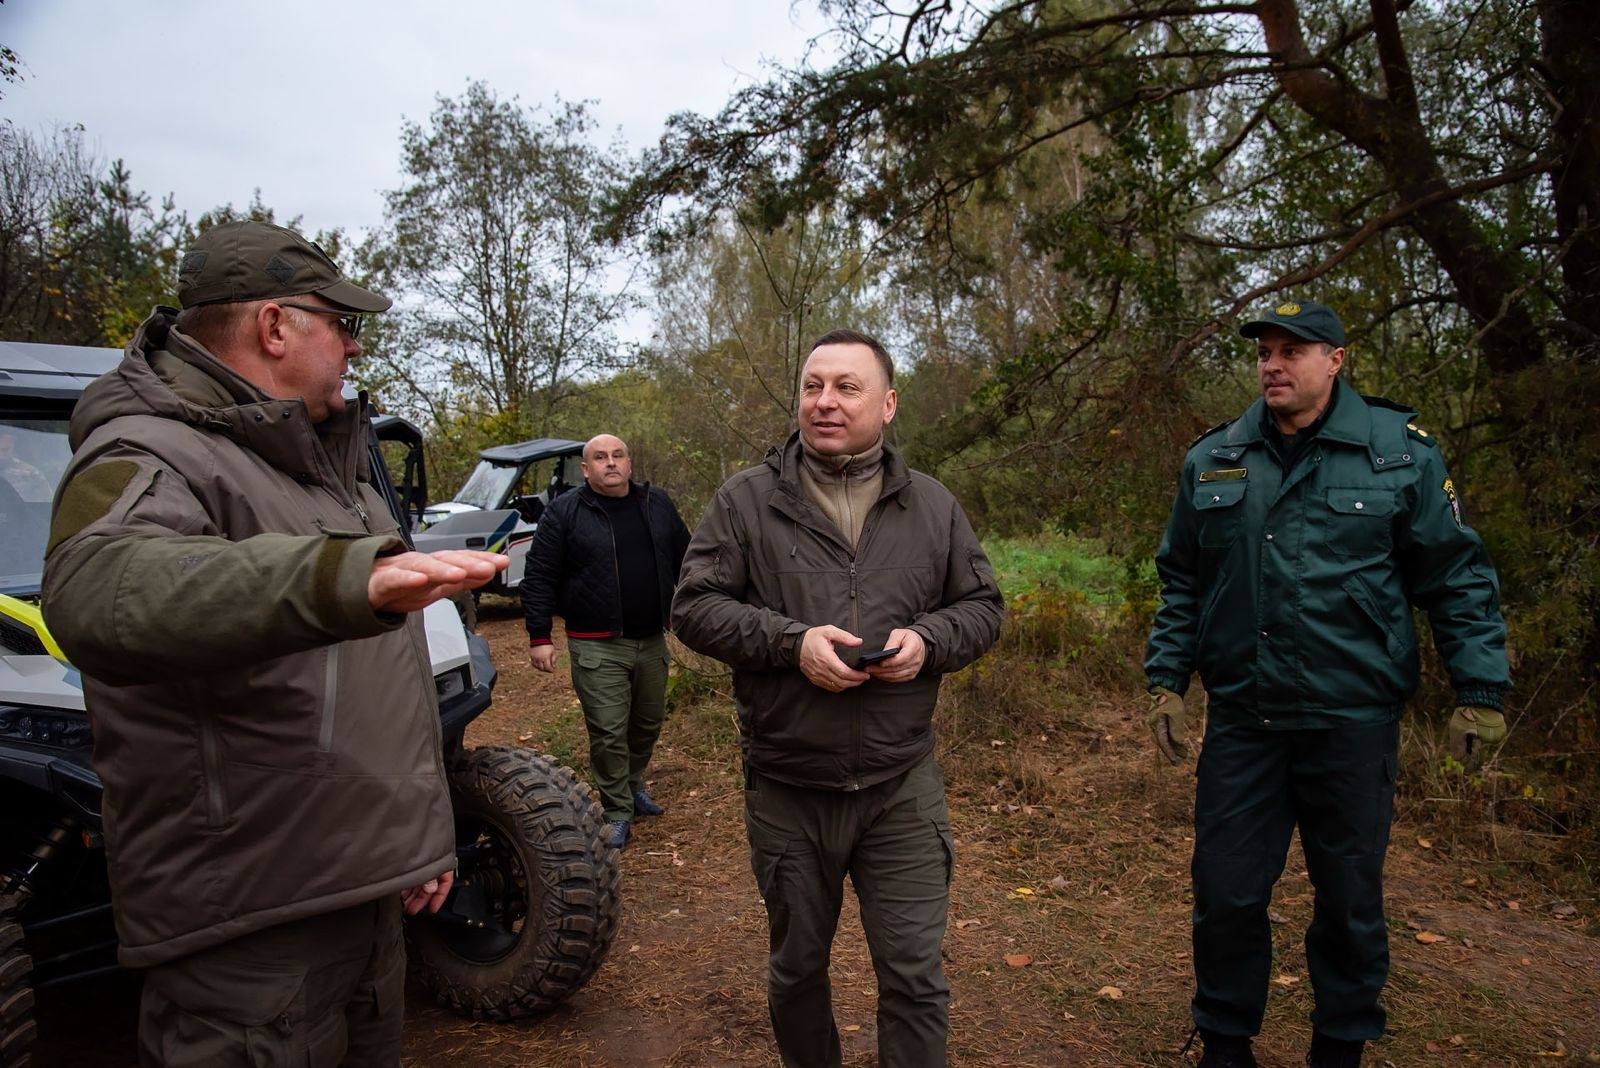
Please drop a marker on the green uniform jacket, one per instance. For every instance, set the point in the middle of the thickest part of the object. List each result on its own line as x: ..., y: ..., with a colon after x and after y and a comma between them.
x: 766, y: 565
x: 1292, y: 595
x: 269, y: 745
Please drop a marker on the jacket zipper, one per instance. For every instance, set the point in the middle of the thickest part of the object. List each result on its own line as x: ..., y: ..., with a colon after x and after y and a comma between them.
x: 211, y: 758
x: 330, y: 693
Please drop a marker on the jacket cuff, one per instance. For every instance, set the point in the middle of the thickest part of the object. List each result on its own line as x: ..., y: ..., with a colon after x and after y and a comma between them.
x: 540, y: 641
x: 350, y: 562
x: 1484, y: 695
x: 1170, y: 682
x: 789, y: 644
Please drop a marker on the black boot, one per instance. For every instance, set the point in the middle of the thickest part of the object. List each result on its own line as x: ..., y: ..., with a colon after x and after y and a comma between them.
x: 1225, y: 1051
x: 1333, y: 1052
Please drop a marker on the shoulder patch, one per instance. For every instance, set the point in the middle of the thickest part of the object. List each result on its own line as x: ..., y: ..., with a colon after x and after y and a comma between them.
x: 1454, y: 501
x: 89, y: 497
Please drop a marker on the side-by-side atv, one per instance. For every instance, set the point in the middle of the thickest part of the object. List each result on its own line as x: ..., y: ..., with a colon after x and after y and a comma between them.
x: 498, y: 507
x: 535, y: 904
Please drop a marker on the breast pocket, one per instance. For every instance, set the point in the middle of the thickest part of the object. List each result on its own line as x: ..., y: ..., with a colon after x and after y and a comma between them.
x: 1218, y: 504
x: 1358, y: 523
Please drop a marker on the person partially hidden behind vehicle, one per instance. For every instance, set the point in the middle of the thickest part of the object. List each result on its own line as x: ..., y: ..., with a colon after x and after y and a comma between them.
x: 841, y: 586
x: 245, y: 615
x: 605, y: 559
x: 26, y: 480
x: 1302, y: 534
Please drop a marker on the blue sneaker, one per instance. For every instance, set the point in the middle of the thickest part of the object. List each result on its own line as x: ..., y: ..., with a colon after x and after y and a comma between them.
x: 644, y: 804
x: 617, y: 834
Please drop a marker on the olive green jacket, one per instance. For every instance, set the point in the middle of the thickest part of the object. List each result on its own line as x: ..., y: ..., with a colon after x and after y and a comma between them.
x: 1292, y: 595
x: 269, y: 745
x: 766, y: 565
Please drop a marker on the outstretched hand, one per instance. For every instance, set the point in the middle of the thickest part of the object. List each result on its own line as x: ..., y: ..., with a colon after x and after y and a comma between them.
x: 408, y: 582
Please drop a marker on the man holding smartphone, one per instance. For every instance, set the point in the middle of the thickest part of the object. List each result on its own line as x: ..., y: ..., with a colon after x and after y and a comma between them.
x: 829, y: 548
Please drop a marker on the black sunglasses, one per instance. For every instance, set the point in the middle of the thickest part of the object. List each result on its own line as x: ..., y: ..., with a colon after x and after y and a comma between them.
x: 350, y: 322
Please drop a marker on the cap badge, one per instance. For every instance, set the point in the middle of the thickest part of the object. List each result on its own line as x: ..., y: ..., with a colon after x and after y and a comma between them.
x: 1288, y: 309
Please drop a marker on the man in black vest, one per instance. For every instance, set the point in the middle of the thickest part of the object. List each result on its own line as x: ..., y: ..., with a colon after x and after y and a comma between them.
x: 605, y: 558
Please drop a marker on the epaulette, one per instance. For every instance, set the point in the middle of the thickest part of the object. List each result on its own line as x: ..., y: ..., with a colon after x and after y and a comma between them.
x: 1225, y: 424
x: 1406, y: 412
x: 1419, y: 434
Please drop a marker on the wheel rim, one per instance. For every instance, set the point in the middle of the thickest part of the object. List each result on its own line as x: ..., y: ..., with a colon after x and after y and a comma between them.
x: 492, y: 876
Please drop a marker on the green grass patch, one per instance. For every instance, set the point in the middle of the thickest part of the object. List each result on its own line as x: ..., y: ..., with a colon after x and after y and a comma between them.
x: 1065, y: 563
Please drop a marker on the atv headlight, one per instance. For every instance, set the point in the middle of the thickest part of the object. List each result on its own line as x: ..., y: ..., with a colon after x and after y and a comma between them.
x: 452, y: 683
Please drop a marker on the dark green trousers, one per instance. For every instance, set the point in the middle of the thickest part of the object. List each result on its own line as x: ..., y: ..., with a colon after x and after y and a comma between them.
x: 622, y: 684
x: 1255, y: 786
x: 323, y: 992
x: 893, y: 840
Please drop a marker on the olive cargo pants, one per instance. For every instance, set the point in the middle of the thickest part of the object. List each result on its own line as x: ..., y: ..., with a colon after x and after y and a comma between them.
x: 323, y: 992
x: 622, y: 684
x: 1255, y: 786
x: 893, y: 840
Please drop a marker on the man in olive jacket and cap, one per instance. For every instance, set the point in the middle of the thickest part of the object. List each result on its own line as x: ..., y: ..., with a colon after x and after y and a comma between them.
x: 1302, y: 535
x: 244, y: 612
x: 840, y: 585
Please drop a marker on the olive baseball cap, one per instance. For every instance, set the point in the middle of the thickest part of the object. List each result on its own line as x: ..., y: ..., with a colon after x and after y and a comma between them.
x: 242, y: 261
x: 1305, y: 319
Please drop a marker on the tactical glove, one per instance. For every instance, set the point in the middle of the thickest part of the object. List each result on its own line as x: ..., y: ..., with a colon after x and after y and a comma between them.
x: 1471, y: 728
x: 1169, y: 720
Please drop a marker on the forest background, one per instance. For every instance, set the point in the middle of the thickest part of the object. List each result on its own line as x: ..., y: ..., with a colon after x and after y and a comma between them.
x: 1055, y: 214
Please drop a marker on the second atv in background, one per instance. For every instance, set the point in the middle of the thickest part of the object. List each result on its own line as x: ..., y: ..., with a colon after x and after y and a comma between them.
x: 499, y: 505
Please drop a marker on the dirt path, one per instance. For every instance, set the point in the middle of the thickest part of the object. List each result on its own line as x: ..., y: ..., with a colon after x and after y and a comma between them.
x: 1090, y: 889
x: 1068, y: 942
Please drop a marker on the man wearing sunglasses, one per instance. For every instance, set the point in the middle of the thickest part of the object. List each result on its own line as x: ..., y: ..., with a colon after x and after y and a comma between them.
x: 244, y: 613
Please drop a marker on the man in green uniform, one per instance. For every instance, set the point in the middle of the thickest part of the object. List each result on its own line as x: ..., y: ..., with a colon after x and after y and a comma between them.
x: 1302, y: 535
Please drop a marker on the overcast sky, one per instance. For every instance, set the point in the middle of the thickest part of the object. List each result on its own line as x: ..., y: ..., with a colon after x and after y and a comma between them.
x: 210, y: 99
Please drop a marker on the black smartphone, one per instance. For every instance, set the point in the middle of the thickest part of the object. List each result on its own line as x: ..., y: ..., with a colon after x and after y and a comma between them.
x: 872, y: 658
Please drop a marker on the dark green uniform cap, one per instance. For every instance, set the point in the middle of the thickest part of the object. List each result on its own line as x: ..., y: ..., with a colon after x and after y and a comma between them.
x: 243, y: 261
x: 1308, y: 320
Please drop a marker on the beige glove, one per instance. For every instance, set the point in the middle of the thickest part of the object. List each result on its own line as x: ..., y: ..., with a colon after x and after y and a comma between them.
x: 1471, y: 728
x: 1169, y: 721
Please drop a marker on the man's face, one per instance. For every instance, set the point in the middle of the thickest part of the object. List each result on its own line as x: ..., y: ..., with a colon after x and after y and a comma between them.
x: 1296, y: 376
x: 845, y: 400
x: 316, y: 360
x: 606, y: 465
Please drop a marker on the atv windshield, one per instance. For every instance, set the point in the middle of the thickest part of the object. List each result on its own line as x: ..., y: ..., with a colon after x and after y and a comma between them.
x: 33, y: 454
x: 487, y: 486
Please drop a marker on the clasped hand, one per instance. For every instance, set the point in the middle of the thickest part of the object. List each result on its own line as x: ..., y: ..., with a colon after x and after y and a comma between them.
x: 820, y: 662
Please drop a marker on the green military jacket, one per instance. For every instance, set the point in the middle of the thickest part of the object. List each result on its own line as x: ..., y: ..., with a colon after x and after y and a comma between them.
x: 1292, y: 595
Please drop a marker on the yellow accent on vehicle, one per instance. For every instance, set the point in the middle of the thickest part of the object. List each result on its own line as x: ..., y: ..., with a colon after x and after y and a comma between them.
x: 30, y: 616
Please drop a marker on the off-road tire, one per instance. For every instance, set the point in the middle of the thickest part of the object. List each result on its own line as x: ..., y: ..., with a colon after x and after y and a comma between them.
x: 532, y: 833
x: 16, y: 992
